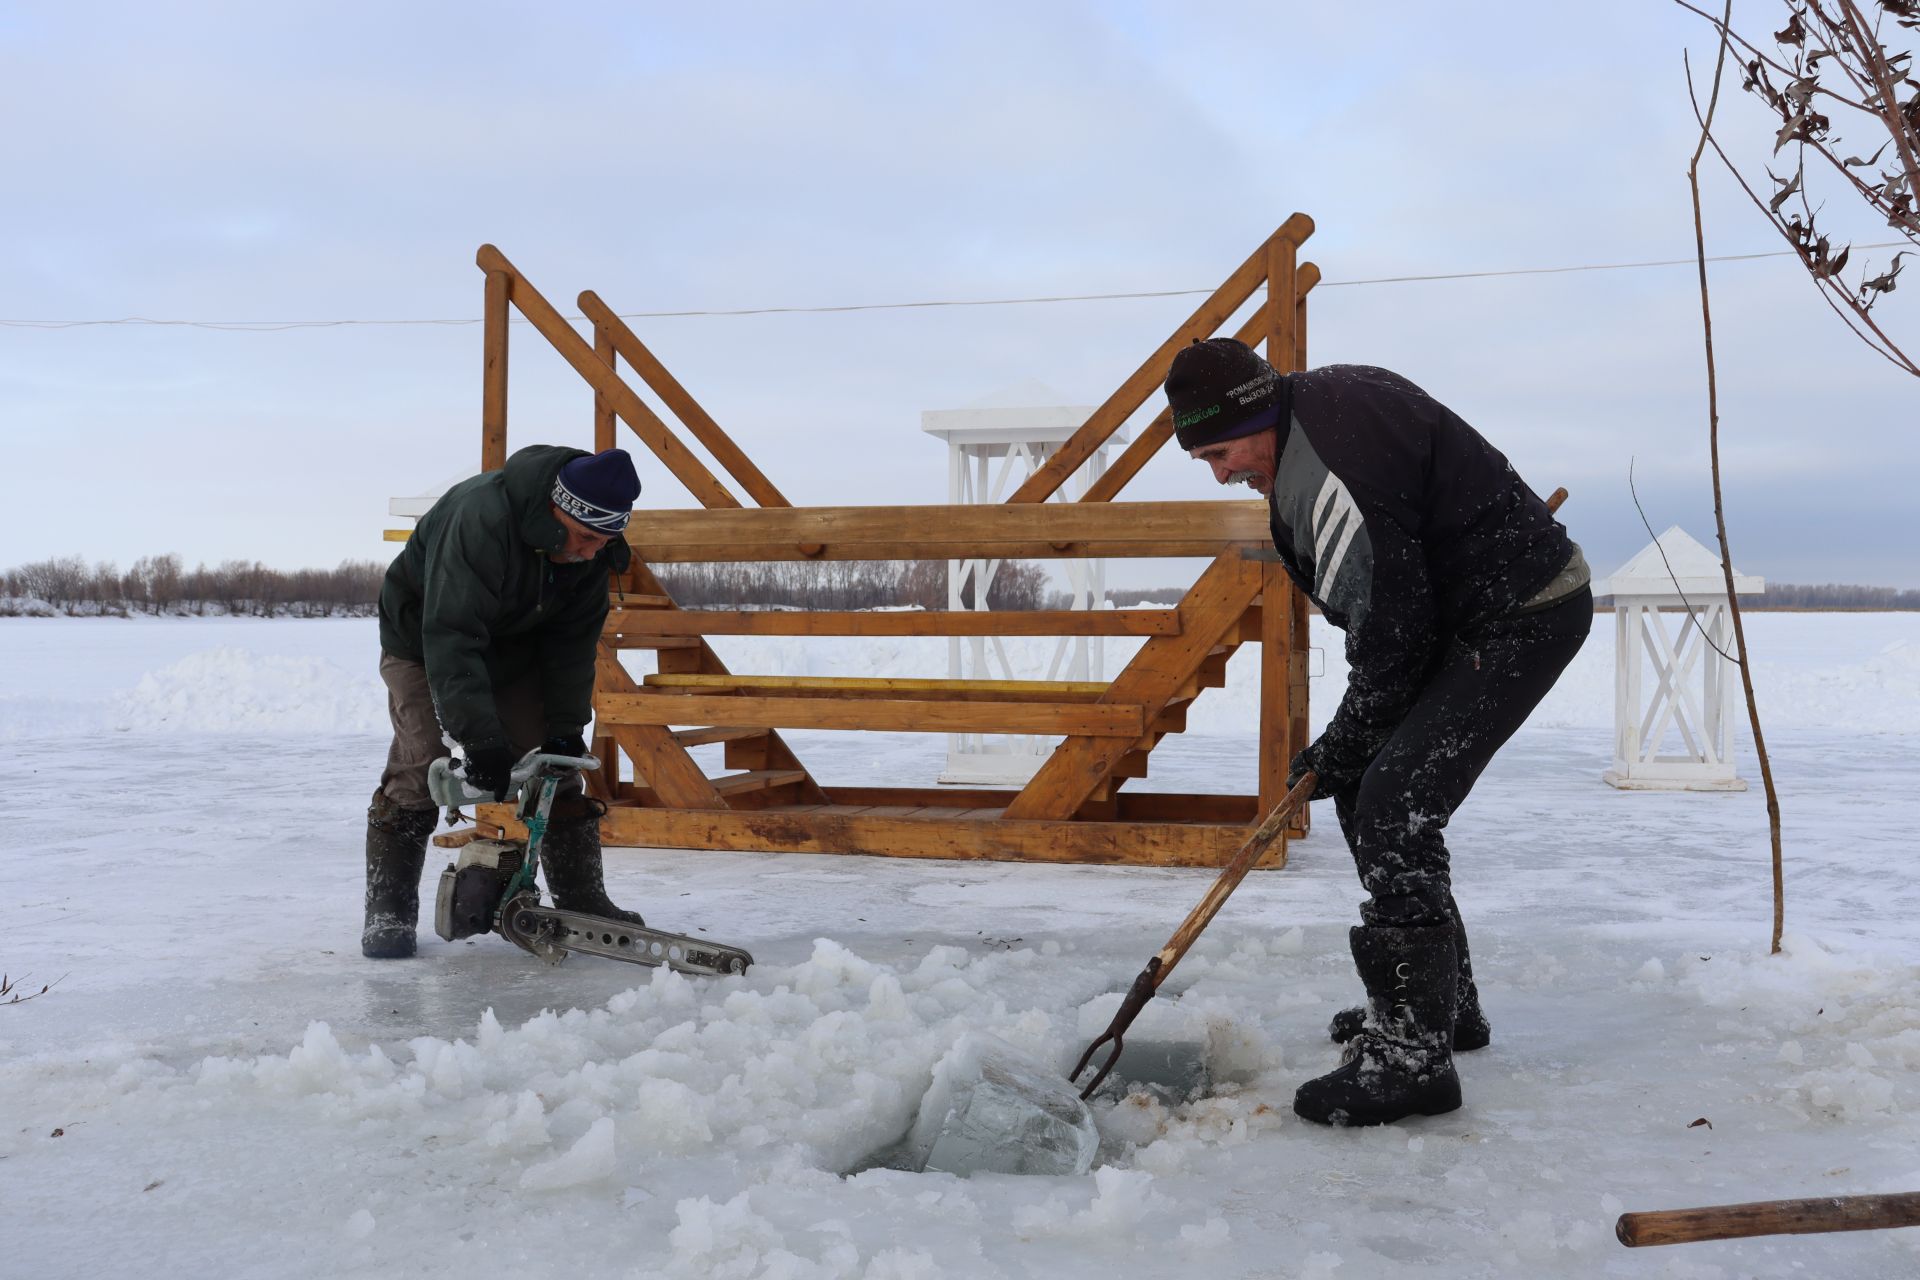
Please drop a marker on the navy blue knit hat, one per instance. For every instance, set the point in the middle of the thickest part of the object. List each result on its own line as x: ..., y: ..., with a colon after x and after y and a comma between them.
x: 1221, y: 389
x: 598, y: 490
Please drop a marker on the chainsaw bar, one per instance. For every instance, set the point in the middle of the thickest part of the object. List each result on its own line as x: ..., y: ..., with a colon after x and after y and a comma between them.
x: 551, y: 934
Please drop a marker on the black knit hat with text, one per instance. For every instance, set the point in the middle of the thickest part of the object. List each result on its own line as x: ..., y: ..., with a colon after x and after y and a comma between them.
x: 1221, y: 389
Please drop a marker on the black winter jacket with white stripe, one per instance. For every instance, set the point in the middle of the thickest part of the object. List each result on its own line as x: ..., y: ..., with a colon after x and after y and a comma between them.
x: 1406, y: 527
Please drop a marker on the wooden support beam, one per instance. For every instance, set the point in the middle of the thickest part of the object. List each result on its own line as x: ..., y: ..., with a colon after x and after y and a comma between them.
x: 1282, y: 299
x: 493, y: 374
x: 700, y: 737
x: 658, y: 760
x: 891, y: 715
x: 850, y: 687
x: 1132, y: 393
x: 576, y: 351
x: 931, y: 622
x: 949, y: 532
x: 1149, y: 442
x: 734, y: 784
x: 638, y: 600
x: 728, y: 454
x: 605, y: 429
x: 926, y: 834
x: 704, y: 661
x: 620, y: 640
x: 1275, y: 731
x: 1081, y: 766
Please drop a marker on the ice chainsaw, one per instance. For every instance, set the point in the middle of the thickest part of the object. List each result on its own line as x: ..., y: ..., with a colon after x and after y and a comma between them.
x: 490, y: 887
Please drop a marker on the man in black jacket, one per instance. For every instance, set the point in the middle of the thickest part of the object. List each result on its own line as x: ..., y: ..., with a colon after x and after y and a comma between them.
x: 1463, y: 599
x: 490, y: 619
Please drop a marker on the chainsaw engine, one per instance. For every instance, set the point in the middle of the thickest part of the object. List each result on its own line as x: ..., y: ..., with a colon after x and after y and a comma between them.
x: 472, y: 887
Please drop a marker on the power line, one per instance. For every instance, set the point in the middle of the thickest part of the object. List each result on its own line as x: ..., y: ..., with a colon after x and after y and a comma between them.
x: 274, y: 326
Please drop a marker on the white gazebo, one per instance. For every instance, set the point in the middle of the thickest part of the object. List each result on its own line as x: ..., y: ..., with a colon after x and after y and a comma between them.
x: 992, y: 446
x: 1687, y: 700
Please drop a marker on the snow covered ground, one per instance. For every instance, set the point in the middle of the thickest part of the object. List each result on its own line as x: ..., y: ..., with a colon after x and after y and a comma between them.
x: 220, y: 1085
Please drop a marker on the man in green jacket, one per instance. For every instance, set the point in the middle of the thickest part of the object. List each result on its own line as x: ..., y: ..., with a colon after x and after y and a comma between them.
x: 490, y: 619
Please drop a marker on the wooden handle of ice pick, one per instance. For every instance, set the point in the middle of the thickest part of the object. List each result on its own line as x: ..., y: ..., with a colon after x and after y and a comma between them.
x: 1201, y: 916
x: 1769, y: 1218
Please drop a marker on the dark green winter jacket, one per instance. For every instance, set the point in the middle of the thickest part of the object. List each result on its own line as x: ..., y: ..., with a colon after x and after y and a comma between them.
x: 475, y: 598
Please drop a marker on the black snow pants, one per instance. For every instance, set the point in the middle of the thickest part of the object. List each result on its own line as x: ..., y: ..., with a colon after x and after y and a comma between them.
x: 1481, y: 688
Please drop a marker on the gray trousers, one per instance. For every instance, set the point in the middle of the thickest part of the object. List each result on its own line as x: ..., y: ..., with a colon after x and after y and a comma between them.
x: 417, y: 737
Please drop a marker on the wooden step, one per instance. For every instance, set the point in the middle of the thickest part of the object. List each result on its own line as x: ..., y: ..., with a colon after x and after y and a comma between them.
x: 721, y: 733
x: 735, y: 784
x: 619, y: 641
x: 638, y: 600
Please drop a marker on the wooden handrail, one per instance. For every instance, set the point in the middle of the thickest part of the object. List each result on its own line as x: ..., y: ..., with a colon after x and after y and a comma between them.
x: 708, y: 432
x: 1044, y: 531
x: 1131, y: 394
x: 626, y: 402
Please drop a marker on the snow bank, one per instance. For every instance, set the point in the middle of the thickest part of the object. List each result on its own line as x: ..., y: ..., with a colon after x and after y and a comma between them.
x: 240, y: 691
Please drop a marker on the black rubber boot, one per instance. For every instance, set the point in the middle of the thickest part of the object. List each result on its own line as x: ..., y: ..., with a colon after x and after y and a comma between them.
x: 1470, y: 1029
x: 396, y: 848
x: 570, y: 853
x: 1401, y: 1062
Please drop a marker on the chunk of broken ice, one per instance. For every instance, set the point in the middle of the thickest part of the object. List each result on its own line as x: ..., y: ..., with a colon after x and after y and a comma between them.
x: 992, y: 1109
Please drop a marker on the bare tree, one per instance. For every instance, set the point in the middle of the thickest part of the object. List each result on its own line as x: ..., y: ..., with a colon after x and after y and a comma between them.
x: 1831, y: 73
x: 1719, y: 507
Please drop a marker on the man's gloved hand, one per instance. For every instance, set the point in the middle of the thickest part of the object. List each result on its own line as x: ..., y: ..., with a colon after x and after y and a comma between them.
x: 1334, y: 774
x: 490, y: 769
x: 565, y: 744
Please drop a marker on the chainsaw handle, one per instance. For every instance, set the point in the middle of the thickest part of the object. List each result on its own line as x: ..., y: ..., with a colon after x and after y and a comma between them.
x: 448, y: 786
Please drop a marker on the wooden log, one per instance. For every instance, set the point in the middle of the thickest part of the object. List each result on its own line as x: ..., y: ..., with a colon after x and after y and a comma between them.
x: 890, y: 715
x: 1132, y: 393
x: 949, y: 532
x: 1769, y: 1218
x: 931, y: 622
x: 493, y: 373
x: 728, y: 454
x: 578, y: 352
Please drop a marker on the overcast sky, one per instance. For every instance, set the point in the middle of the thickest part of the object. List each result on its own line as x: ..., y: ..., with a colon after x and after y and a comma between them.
x: 301, y: 161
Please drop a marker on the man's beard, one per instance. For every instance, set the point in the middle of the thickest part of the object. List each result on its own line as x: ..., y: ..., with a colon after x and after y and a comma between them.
x: 561, y: 557
x: 1247, y: 478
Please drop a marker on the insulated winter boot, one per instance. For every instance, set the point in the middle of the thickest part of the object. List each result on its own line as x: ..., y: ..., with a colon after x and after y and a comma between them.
x: 571, y: 855
x: 1401, y: 1061
x: 1470, y: 1028
x: 396, y: 848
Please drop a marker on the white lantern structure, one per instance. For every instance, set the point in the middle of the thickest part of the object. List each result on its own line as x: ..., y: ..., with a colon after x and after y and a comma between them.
x: 991, y: 448
x: 1672, y: 621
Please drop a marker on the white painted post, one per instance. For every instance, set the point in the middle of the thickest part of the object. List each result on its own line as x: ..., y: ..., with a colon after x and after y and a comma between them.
x: 991, y: 448
x: 1679, y: 582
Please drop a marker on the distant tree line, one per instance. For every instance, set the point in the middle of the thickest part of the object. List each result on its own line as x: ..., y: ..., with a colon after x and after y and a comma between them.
x: 845, y: 584
x: 163, y: 585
